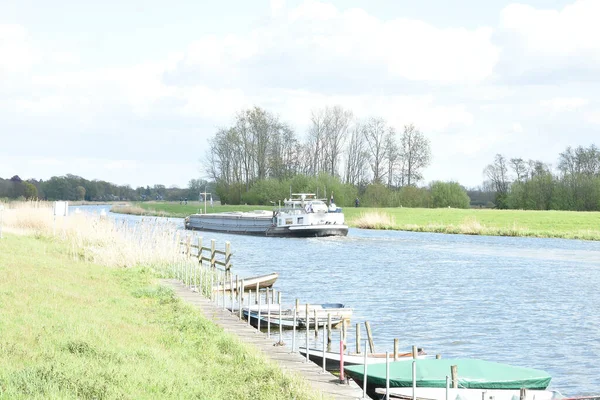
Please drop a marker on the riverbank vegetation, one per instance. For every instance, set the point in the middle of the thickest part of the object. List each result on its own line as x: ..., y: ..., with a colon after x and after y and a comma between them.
x: 473, y: 221
x: 83, y: 317
x: 525, y: 223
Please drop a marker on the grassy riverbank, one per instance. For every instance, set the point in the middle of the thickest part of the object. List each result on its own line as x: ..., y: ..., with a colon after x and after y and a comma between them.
x: 556, y: 224
x: 526, y: 223
x: 74, y: 328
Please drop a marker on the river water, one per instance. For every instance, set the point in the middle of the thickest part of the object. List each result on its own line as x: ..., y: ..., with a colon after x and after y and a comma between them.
x: 522, y: 301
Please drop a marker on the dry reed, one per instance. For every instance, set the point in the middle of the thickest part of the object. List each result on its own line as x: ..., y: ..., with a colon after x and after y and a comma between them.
x: 136, y: 210
x: 374, y: 220
x: 96, y: 238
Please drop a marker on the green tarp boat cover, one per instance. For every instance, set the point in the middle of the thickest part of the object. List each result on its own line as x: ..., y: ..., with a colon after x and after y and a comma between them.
x: 473, y: 374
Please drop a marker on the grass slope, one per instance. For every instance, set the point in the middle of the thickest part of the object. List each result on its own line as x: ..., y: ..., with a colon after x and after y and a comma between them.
x: 71, y: 329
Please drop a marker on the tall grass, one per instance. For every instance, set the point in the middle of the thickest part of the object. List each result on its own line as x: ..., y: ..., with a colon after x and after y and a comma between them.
x: 97, y: 239
x: 137, y: 210
x: 374, y: 220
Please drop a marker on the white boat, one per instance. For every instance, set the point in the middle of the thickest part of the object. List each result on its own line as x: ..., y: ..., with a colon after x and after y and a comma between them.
x: 338, y: 312
x: 301, y: 216
x: 333, y: 358
x: 263, y: 281
x: 425, y: 393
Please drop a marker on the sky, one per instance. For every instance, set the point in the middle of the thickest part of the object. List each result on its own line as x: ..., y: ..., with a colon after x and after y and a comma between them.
x: 131, y: 92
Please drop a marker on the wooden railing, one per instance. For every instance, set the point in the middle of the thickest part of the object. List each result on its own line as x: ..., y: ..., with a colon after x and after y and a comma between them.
x: 209, y: 255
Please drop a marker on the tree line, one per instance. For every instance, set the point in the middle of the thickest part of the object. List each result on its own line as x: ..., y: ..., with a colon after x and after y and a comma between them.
x: 75, y: 188
x: 258, y: 146
x: 533, y: 185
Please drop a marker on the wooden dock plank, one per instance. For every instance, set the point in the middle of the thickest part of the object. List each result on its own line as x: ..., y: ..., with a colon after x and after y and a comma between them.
x: 294, y: 363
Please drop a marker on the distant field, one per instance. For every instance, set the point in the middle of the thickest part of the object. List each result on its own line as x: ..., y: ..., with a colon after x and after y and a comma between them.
x: 561, y: 224
x: 175, y: 209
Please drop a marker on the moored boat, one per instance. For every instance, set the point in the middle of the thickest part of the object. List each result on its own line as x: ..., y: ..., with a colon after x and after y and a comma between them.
x: 333, y: 358
x: 336, y: 311
x: 469, y: 394
x: 263, y: 281
x: 300, y: 216
x: 472, y: 374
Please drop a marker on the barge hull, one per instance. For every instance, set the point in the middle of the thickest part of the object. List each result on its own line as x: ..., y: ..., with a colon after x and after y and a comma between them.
x: 340, y: 230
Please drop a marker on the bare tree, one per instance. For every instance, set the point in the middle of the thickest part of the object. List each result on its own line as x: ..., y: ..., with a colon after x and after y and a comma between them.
x: 376, y: 134
x: 337, y: 122
x: 357, y: 156
x: 416, y: 154
x: 580, y: 161
x: 497, y: 173
x: 283, y: 153
x: 316, y: 142
x: 393, y: 156
x: 520, y: 168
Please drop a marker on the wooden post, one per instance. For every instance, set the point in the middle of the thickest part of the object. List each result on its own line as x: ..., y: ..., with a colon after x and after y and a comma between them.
x: 212, y: 285
x: 357, y: 338
x: 227, y: 256
x: 241, y: 295
x: 258, y: 312
x: 415, y: 352
x: 454, y: 375
x: 296, y: 311
x: 224, y: 279
x: 213, y: 255
x: 328, y: 331
x: 370, y: 337
x: 344, y: 333
x: 395, y: 349
x: 522, y: 394
x: 307, y: 329
x: 280, y: 327
x: 236, y: 290
x: 200, y: 250
x: 201, y: 291
x: 268, y: 315
x: 188, y: 246
x: 316, y: 323
x: 249, y: 308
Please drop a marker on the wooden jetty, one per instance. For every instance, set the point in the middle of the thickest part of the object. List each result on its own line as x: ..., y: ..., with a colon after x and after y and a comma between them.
x: 323, y: 382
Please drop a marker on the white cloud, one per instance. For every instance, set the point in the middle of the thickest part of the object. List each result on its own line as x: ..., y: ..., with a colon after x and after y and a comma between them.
x: 544, y: 40
x: 564, y: 104
x: 277, y: 7
x: 593, y: 117
x: 317, y: 38
x: 517, y: 127
x: 213, y: 103
x: 15, y: 51
x: 570, y: 31
x: 47, y: 105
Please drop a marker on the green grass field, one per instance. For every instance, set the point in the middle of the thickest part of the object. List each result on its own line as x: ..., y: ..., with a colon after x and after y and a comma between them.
x: 71, y: 329
x: 558, y: 224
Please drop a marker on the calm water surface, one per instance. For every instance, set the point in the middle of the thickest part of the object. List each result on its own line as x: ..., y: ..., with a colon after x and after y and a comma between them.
x: 522, y: 301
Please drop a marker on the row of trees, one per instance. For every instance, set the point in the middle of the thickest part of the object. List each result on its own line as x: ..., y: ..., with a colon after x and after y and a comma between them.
x: 262, y: 192
x: 259, y: 146
x: 532, y: 184
x: 72, y: 187
x: 268, y: 191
